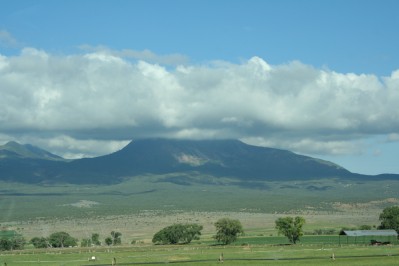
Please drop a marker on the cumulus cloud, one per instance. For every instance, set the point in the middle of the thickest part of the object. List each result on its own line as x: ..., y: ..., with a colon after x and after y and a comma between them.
x: 75, y: 104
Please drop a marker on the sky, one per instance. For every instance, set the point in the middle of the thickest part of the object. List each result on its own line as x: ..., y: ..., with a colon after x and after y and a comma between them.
x: 82, y: 78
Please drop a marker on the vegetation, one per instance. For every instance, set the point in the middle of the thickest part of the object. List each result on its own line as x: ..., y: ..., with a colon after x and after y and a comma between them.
x: 93, y: 241
x: 390, y: 218
x: 309, y: 253
x: 178, y: 234
x: 61, y: 240
x: 40, y: 242
x: 291, y: 227
x: 12, y: 243
x: 20, y: 201
x: 114, y: 240
x: 228, y: 230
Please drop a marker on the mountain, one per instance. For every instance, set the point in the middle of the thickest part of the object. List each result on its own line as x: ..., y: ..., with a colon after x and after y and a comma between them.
x: 229, y: 158
x: 13, y: 149
x: 27, y: 163
x: 217, y: 158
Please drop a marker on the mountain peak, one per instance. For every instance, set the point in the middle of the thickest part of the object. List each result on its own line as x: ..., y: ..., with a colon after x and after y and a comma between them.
x: 13, y: 149
x: 217, y: 158
x: 225, y: 157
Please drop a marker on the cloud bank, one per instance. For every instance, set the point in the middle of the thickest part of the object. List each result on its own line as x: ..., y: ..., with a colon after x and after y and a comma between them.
x: 93, y: 103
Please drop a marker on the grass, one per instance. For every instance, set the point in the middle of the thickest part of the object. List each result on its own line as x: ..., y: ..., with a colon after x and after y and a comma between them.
x: 201, y: 254
x: 24, y: 201
x: 141, y: 206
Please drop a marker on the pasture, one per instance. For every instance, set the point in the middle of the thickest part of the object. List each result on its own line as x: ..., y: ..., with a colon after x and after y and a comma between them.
x: 141, y: 206
x: 311, y: 252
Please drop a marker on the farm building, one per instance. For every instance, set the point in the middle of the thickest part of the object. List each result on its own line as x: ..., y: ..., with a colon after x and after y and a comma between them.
x: 374, y: 237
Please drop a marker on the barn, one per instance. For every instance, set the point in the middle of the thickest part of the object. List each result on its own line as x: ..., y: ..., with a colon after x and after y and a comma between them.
x: 374, y: 237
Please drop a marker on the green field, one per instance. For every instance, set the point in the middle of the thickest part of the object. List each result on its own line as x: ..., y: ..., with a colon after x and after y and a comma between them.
x: 141, y: 206
x: 208, y: 254
x: 24, y: 201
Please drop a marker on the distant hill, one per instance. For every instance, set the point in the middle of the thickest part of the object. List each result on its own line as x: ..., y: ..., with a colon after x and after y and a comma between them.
x: 218, y: 158
x: 13, y: 149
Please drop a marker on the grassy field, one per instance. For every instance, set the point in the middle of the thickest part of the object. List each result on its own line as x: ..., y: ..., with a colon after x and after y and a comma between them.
x: 141, y: 206
x: 209, y: 254
x: 23, y: 202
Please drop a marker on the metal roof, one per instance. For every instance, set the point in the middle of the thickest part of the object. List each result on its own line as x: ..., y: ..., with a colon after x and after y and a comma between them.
x: 369, y: 233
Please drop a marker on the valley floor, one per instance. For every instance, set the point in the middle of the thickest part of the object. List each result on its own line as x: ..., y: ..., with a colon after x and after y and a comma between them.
x: 143, y: 225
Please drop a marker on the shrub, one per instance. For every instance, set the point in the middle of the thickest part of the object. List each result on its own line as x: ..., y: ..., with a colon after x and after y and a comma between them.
x: 177, y: 233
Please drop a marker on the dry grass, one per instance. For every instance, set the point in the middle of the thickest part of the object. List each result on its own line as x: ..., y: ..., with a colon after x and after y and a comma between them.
x: 142, y: 226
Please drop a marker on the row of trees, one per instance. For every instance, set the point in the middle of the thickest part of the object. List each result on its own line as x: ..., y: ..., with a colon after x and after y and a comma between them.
x: 227, y: 231
x: 59, y: 240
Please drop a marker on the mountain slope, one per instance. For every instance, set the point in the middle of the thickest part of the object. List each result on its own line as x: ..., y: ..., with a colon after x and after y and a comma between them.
x: 13, y: 149
x: 229, y: 158
x: 28, y: 164
x: 217, y: 158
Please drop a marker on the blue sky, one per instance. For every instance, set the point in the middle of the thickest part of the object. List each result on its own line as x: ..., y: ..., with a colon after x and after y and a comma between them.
x: 81, y: 78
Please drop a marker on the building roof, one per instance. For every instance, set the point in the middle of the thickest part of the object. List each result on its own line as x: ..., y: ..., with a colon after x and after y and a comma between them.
x: 369, y: 233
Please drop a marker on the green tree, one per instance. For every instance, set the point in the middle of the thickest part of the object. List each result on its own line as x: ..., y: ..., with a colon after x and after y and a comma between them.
x: 108, y: 241
x: 39, y: 242
x: 365, y: 227
x: 177, y: 233
x: 228, y: 230
x: 12, y: 243
x: 61, y: 239
x: 116, y: 238
x: 5, y: 244
x: 95, y: 239
x: 290, y: 227
x: 86, y: 242
x: 390, y: 218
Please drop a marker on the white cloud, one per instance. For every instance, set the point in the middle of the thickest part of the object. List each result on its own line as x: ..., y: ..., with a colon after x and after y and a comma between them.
x: 7, y: 40
x: 72, y: 103
x: 145, y: 55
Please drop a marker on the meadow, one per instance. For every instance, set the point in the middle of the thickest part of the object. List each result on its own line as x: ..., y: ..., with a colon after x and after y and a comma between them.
x: 140, y: 206
x: 311, y: 252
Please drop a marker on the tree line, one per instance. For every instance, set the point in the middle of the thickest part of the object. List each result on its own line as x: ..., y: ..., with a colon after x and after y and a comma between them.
x: 227, y: 231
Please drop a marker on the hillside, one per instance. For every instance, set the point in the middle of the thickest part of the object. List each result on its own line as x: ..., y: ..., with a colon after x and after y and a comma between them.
x: 14, y: 150
x: 217, y: 158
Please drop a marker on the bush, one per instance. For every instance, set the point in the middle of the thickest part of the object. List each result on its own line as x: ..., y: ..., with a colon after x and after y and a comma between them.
x: 177, y: 233
x: 61, y: 240
x: 86, y: 242
x: 108, y: 241
x: 39, y: 242
x: 12, y: 243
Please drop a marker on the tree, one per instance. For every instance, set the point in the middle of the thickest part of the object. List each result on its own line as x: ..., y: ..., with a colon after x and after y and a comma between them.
x: 365, y: 227
x: 5, y: 244
x: 62, y: 239
x: 177, y: 233
x: 290, y: 227
x: 39, y: 242
x: 95, y: 239
x: 108, y: 241
x: 116, y: 238
x: 86, y: 242
x: 390, y: 218
x: 12, y: 243
x: 228, y: 230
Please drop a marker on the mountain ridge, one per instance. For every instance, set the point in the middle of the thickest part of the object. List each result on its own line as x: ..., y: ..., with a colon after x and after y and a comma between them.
x: 159, y: 156
x: 14, y: 149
